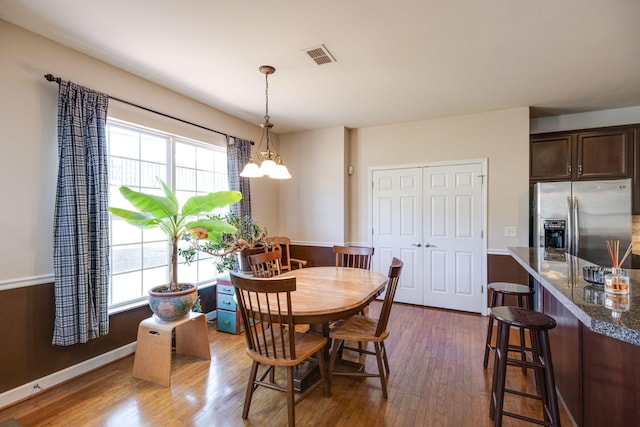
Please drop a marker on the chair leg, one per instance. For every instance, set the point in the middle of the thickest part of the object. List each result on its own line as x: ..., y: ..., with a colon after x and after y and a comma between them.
x: 496, y: 375
x: 385, y: 360
x: 489, y: 331
x: 381, y: 371
x: 488, y: 344
x: 541, y: 384
x: 334, y: 354
x: 250, y: 389
x: 523, y: 353
x: 322, y: 365
x: 291, y: 404
x: 502, y: 349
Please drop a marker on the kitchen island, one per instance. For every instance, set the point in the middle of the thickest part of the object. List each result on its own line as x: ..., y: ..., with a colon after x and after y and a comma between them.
x: 596, y: 344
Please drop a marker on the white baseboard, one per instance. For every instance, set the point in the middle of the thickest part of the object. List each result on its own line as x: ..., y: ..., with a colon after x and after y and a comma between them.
x: 39, y: 385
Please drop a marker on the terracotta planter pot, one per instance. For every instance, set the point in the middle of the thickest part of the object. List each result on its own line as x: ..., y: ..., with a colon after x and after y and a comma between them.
x: 170, y: 306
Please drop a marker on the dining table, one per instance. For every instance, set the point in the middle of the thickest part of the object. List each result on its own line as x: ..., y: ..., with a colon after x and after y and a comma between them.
x: 327, y: 294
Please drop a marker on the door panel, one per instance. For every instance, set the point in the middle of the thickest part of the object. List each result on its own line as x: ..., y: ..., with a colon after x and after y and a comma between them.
x: 437, y: 270
x: 464, y: 274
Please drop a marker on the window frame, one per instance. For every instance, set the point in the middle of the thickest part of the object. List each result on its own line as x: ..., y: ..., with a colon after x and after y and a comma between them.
x: 219, y: 174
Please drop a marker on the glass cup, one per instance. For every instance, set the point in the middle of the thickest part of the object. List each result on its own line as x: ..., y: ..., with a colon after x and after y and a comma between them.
x: 617, y: 282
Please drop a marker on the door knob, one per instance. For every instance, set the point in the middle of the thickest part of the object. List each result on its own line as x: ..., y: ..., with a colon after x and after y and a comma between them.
x: 429, y: 245
x: 416, y: 244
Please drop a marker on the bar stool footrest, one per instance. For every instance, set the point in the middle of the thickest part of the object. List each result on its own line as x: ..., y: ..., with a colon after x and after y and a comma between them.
x: 523, y: 418
x: 523, y: 394
x: 524, y: 364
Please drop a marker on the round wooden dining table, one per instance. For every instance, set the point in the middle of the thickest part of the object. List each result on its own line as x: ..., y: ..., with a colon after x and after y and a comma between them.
x: 324, y: 294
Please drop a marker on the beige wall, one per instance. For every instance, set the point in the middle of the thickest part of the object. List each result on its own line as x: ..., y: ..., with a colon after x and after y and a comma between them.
x: 313, y: 204
x: 500, y: 136
x: 28, y: 164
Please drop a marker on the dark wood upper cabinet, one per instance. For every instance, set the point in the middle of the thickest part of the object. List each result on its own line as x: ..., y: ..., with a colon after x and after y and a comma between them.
x: 605, y: 153
x: 550, y: 158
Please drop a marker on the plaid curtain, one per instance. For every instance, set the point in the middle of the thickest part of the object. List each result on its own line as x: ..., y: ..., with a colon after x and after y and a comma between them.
x: 81, y: 228
x: 238, y: 154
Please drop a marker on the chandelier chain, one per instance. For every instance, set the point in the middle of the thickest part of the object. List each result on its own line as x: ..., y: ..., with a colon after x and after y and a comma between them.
x: 266, y: 97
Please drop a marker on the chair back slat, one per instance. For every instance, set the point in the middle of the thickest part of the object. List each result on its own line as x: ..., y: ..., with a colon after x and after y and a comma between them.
x: 283, y: 243
x: 265, y: 304
x: 392, y: 284
x: 266, y: 264
x: 353, y: 256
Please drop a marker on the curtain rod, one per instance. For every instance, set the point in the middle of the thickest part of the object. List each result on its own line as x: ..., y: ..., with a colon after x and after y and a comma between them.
x: 52, y: 78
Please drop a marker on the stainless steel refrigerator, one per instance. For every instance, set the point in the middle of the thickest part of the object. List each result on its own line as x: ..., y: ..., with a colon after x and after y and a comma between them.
x: 579, y: 216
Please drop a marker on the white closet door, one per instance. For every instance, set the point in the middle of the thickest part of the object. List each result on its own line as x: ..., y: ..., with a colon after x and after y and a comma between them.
x: 453, y: 237
x: 397, y: 228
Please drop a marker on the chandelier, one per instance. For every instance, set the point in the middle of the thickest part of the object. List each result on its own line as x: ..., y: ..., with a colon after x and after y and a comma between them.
x: 270, y: 161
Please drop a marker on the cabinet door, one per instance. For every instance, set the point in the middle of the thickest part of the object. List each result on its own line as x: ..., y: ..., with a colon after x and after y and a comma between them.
x: 604, y: 154
x: 550, y: 158
x: 566, y: 353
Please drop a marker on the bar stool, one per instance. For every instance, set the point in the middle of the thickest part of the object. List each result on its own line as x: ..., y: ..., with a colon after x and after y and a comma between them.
x: 500, y: 289
x: 538, y: 325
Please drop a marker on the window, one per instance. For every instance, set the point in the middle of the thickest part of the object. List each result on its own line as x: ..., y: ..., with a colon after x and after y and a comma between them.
x: 139, y: 258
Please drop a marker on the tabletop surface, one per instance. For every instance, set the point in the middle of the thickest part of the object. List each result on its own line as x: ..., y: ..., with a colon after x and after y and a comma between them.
x: 563, y: 278
x: 330, y: 293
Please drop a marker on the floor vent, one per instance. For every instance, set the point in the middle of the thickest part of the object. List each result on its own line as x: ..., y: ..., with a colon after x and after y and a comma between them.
x: 320, y: 55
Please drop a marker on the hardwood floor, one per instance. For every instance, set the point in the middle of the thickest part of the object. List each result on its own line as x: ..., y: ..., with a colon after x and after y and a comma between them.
x: 436, y: 380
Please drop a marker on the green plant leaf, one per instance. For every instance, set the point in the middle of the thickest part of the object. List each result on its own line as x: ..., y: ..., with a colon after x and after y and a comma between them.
x: 202, y: 204
x: 157, y: 206
x: 212, y: 225
x: 138, y: 219
x: 169, y: 193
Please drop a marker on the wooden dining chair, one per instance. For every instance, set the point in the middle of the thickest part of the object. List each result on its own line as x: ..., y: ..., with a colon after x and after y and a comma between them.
x: 364, y: 329
x: 267, y: 301
x: 286, y: 261
x: 353, y: 256
x: 266, y: 264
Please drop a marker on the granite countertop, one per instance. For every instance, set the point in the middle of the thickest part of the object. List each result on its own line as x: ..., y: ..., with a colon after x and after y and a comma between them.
x: 562, y: 276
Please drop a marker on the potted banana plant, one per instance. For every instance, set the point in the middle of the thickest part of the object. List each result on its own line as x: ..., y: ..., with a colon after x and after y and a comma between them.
x: 174, y: 300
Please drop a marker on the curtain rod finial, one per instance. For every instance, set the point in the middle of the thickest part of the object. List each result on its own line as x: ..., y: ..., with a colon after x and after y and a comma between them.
x: 52, y: 78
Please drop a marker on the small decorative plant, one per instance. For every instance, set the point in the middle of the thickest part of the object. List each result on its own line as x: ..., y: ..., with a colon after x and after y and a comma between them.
x: 165, y: 213
x: 249, y: 235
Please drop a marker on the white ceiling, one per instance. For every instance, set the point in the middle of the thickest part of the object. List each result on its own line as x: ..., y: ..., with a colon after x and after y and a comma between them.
x: 397, y: 61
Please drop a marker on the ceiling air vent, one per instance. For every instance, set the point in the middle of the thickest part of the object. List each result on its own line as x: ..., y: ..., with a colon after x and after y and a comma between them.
x: 320, y: 55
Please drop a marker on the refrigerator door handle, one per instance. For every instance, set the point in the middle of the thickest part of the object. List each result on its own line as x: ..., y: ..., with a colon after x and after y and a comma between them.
x: 569, y: 237
x: 576, y: 225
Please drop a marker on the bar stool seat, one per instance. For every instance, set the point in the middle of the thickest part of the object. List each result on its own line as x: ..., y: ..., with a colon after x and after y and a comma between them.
x: 524, y: 297
x: 538, y: 325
